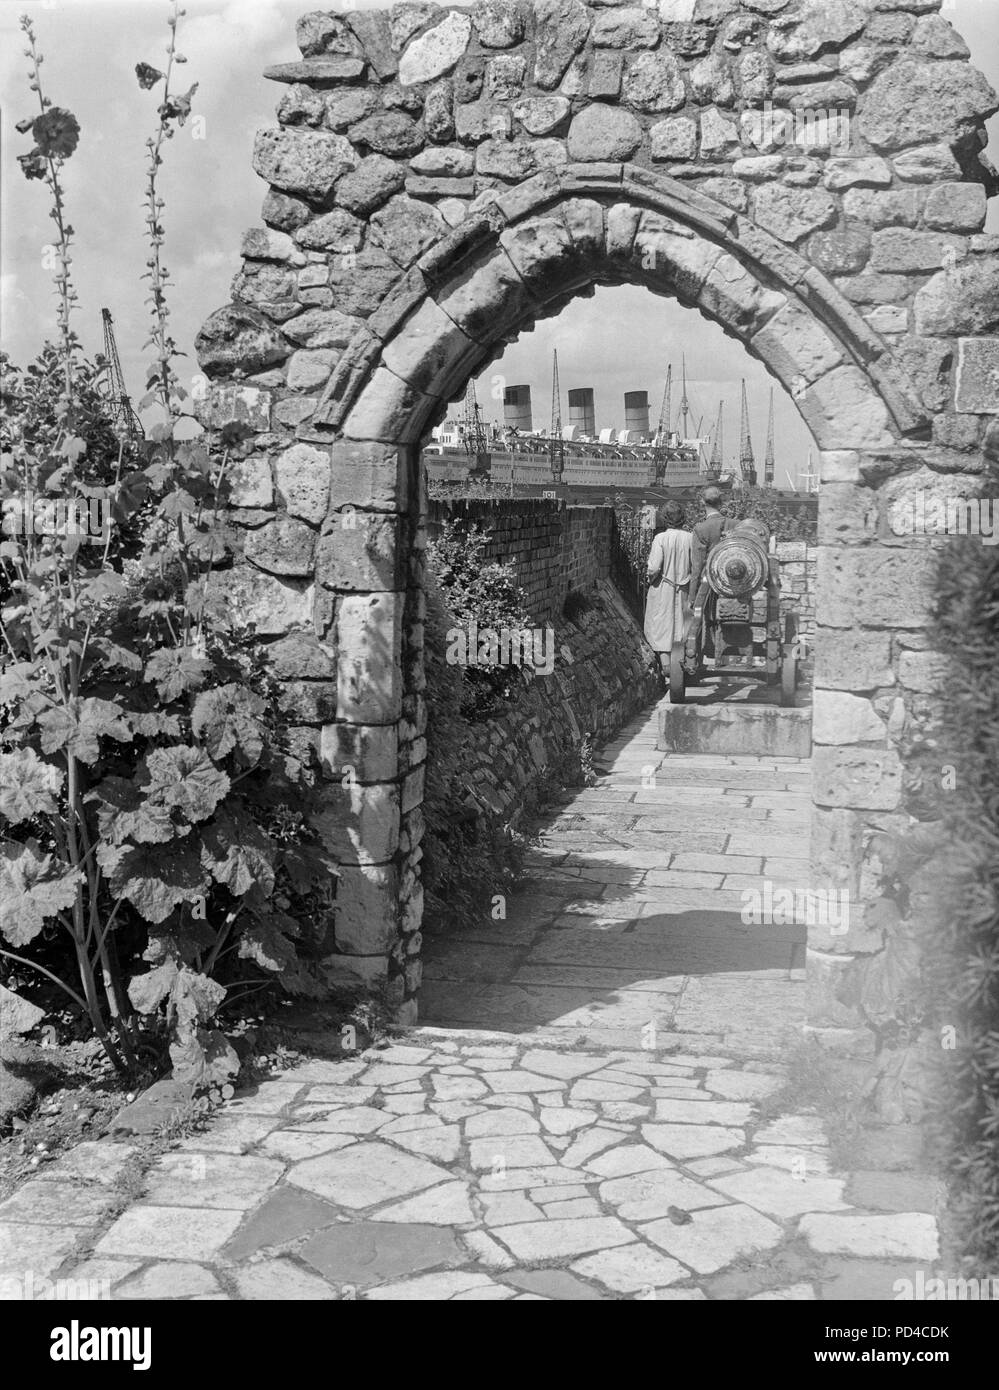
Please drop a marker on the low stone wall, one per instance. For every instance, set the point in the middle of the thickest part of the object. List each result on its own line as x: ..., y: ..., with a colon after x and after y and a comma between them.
x: 554, y: 546
x: 604, y: 673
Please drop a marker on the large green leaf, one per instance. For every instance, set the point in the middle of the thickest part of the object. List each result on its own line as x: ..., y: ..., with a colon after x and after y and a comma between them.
x: 28, y: 786
x: 238, y: 854
x: 204, y: 1056
x: 155, y: 878
x: 186, y: 779
x: 227, y: 717
x: 124, y: 812
x: 176, y: 669
x: 148, y: 991
x: 34, y: 887
x: 79, y: 727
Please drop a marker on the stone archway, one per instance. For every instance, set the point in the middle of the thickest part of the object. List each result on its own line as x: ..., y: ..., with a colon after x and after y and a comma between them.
x: 440, y: 180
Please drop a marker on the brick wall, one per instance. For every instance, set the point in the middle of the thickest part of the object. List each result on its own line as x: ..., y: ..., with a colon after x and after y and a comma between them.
x: 553, y: 546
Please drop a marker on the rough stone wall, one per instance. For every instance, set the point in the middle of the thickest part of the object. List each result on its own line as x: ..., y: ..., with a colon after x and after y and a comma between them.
x: 440, y: 179
x: 604, y: 673
x: 553, y: 546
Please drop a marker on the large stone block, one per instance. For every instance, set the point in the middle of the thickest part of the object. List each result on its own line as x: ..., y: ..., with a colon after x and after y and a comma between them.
x: 374, y: 181
x: 601, y: 131
x: 359, y: 824
x: 897, y: 250
x: 831, y: 993
x: 359, y: 282
x: 847, y: 514
x: 366, y: 910
x: 876, y: 587
x: 389, y: 409
x: 369, y: 658
x: 796, y: 346
x: 306, y: 162
x: 914, y: 102
x: 368, y: 475
x: 736, y: 298
x: 561, y: 29
x: 960, y: 300
x: 437, y: 51
x: 362, y: 553
x: 978, y: 376
x: 791, y: 213
x: 852, y: 659
x: 654, y: 82
x: 956, y: 207
x: 229, y: 402
x: 431, y: 351
x: 283, y: 546
x: 838, y: 717
x: 663, y: 249
x: 238, y: 338
x: 267, y: 604
x: 844, y: 411
x: 929, y: 673
x: 675, y: 138
x: 864, y: 779
x: 364, y: 753
x: 302, y: 474
x: 486, y: 298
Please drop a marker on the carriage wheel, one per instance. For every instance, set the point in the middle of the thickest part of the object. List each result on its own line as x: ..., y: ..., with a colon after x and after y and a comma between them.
x: 677, y: 675
x: 789, y: 661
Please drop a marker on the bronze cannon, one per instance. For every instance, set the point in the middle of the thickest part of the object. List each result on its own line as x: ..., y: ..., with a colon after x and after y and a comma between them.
x: 720, y: 615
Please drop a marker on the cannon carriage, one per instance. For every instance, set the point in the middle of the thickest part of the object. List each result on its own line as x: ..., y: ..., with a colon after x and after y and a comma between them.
x: 720, y: 616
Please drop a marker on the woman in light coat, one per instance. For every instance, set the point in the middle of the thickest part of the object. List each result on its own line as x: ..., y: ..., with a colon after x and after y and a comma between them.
x: 669, y: 580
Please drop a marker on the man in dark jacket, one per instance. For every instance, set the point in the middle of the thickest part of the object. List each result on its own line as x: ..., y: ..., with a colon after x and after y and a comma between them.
x: 705, y: 535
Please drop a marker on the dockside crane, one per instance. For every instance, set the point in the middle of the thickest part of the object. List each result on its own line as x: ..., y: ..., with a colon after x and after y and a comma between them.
x: 747, y: 463
x: 472, y: 429
x: 717, y: 447
x: 556, y: 443
x: 769, y: 461
x: 684, y: 402
x: 124, y: 421
x: 661, y: 449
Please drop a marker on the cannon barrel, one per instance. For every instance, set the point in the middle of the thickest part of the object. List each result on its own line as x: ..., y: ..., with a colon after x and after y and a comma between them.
x: 737, y: 566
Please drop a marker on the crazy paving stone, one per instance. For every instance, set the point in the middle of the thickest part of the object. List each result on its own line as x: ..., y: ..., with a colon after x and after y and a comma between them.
x: 715, y: 1237
x: 356, y: 1119
x: 523, y: 1081
x: 38, y: 1248
x: 553, y: 1239
x: 405, y: 1105
x: 59, y: 1204
x: 268, y: 1098
x: 101, y: 1162
x: 293, y: 1145
x: 333, y: 1095
x: 625, y: 1159
x: 895, y: 1191
x: 284, y: 1280
x: 232, y: 1134
x: 436, y: 1288
x: 801, y: 1162
x: 645, y: 1196
x: 363, y: 1174
x: 210, y: 1180
x: 593, y: 1141
x: 582, y: 1206
x: 447, y: 1205
x: 515, y: 1178
x: 178, y: 1233
x: 509, y: 1151
x: 556, y: 1284
x: 711, y: 1112
x: 442, y: 1144
x: 692, y: 1141
x: 363, y: 1253
x: 566, y: 1065
x: 905, y: 1235
x: 782, y: 1194
x: 741, y: 1085
x: 792, y: 1129
x: 383, y: 1074
x: 457, y: 1087
x: 794, y: 1293
x: 486, y: 1251
x: 505, y: 1121
x: 286, y: 1216
x: 630, y: 1268
x: 506, y: 1208
x: 173, y: 1279
x: 565, y: 1120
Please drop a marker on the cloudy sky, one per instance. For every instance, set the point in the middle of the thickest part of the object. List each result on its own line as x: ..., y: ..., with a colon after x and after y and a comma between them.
x: 619, y: 340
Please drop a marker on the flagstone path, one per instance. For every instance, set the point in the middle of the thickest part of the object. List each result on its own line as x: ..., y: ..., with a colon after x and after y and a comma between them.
x: 579, y: 1117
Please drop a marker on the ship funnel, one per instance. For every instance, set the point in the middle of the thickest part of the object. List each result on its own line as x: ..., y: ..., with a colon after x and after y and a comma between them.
x: 517, y: 408
x: 582, y: 411
x: 636, y: 412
